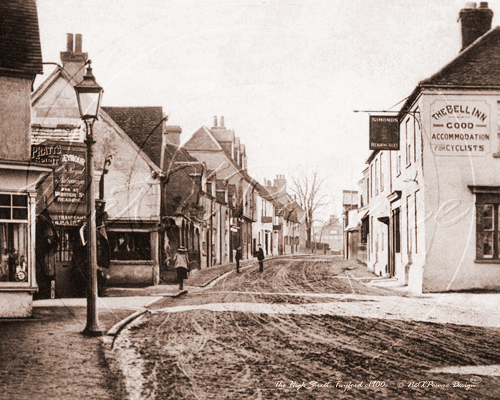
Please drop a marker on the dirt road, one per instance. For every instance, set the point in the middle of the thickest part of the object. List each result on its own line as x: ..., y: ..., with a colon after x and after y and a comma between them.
x: 305, y: 328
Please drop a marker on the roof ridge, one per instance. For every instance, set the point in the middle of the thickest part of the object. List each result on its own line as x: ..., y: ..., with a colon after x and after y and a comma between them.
x: 462, y: 54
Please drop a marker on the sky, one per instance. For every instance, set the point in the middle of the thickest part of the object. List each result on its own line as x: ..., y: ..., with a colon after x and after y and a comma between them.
x: 286, y: 75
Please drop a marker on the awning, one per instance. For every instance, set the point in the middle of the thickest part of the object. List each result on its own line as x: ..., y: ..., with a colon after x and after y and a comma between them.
x: 363, y: 214
x: 355, y: 222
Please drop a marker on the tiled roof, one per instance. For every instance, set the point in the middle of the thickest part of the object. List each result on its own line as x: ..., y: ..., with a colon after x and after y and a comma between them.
x: 143, y: 125
x: 223, y: 134
x: 201, y: 140
x: 177, y: 157
x: 20, y: 49
x: 477, y: 65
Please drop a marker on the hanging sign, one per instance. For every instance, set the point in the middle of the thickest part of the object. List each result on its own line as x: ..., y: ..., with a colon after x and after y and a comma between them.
x: 384, y: 132
x: 460, y: 128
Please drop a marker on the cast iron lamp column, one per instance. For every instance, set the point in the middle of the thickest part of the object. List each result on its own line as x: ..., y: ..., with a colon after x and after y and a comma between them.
x: 89, y: 95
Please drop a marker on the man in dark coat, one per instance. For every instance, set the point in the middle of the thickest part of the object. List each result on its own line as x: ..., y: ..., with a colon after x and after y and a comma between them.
x: 238, y: 257
x: 260, y: 257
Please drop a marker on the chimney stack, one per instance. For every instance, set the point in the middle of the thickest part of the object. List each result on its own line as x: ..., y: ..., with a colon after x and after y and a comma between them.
x: 73, y: 59
x: 280, y: 183
x: 173, y: 133
x: 475, y: 22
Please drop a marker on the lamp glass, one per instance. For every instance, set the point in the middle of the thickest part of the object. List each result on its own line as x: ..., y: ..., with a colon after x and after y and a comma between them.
x: 88, y: 104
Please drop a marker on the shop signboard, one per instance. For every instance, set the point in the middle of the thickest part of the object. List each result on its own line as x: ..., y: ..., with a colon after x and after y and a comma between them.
x: 66, y: 192
x: 384, y: 132
x: 460, y: 128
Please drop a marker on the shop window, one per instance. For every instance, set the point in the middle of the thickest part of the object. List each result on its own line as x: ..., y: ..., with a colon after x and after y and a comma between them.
x: 130, y: 245
x: 13, y: 238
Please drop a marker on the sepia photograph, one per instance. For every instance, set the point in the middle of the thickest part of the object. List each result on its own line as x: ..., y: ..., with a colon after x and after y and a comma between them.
x: 262, y: 199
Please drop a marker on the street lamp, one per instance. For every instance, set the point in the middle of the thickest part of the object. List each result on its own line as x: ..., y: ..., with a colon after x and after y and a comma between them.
x: 89, y: 94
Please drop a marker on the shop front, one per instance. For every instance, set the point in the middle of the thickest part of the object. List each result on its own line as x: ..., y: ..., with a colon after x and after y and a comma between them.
x: 17, y: 233
x: 61, y: 210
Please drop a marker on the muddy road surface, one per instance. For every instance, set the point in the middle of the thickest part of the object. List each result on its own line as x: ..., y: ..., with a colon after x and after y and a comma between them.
x: 306, y: 328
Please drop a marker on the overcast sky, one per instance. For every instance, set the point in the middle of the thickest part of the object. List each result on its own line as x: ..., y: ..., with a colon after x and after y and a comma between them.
x: 286, y: 75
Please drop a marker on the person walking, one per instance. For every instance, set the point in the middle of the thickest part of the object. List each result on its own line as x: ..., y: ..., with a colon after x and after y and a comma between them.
x: 260, y: 257
x: 238, y: 257
x: 181, y: 265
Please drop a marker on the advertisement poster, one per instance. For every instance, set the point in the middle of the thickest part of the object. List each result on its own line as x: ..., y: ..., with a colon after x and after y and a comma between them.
x: 66, y: 192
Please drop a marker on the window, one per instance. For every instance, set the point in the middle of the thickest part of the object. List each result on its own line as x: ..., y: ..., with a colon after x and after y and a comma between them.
x: 371, y: 231
x: 130, y: 245
x: 416, y: 222
x: 64, y: 251
x: 376, y: 177
x: 408, y: 230
x: 397, y: 231
x: 371, y: 180
x: 408, y: 141
x: 368, y: 191
x: 209, y: 188
x: 487, y: 227
x: 13, y: 207
x: 13, y: 238
x: 415, y: 129
x: 381, y: 173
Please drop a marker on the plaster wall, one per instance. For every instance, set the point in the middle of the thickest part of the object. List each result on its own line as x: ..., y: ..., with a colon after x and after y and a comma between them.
x: 379, y: 208
x: 131, y: 192
x: 15, y: 118
x: 450, y: 220
x: 57, y: 105
x: 16, y: 305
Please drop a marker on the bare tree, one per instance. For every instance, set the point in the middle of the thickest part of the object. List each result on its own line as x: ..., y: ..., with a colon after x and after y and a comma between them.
x: 307, y: 187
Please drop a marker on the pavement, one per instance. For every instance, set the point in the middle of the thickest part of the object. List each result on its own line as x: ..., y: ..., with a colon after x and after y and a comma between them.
x: 47, y: 357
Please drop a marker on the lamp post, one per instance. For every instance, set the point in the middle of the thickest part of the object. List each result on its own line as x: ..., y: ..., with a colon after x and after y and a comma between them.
x: 89, y: 95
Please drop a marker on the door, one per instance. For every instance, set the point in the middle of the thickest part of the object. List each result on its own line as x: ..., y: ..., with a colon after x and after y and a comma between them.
x: 62, y: 261
x: 395, y: 241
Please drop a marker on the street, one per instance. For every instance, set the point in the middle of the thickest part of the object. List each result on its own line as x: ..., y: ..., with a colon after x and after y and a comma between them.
x: 305, y: 328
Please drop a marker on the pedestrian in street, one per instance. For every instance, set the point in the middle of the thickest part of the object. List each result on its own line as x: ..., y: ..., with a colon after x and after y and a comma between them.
x: 260, y: 257
x: 181, y: 265
x: 238, y: 257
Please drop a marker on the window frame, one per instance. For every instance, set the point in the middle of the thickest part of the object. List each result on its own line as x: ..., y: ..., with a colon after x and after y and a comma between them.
x: 25, y: 225
x: 408, y: 142
x: 381, y: 173
x: 483, y: 200
x: 117, y: 232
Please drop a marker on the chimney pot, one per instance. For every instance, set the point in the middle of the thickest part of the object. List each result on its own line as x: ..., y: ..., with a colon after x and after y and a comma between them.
x: 215, y: 121
x: 69, y: 42
x: 78, y: 43
x: 222, y: 122
x: 73, y: 60
x: 483, y: 4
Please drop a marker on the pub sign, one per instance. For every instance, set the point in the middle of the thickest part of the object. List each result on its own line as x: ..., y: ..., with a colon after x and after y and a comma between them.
x: 384, y: 132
